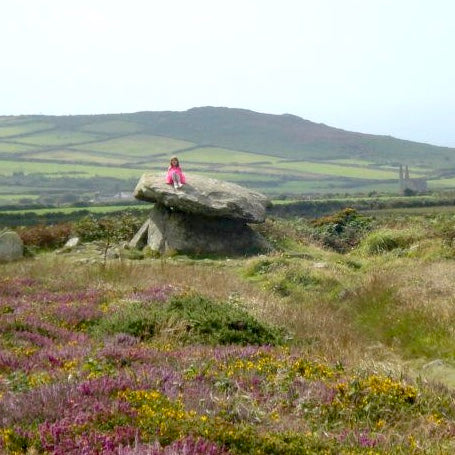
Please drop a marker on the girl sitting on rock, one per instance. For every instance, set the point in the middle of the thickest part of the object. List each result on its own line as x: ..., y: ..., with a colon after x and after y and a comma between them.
x: 175, y: 175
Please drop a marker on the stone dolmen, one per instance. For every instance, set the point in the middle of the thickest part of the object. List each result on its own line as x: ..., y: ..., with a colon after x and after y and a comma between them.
x: 205, y: 215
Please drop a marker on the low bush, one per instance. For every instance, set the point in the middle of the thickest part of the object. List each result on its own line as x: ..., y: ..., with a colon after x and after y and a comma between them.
x: 132, y: 318
x: 190, y: 319
x: 260, y: 267
x: 42, y: 236
x: 296, y: 279
x: 110, y: 228
x: 341, y: 231
x: 221, y: 322
x: 283, y: 234
x: 445, y: 228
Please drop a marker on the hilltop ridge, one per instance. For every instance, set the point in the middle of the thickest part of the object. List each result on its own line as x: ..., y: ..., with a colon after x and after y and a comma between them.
x: 285, y: 135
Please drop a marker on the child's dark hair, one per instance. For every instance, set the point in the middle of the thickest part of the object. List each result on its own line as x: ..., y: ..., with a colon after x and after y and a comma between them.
x: 174, y: 158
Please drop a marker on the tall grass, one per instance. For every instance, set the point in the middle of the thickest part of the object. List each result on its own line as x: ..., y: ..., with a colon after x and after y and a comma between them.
x: 386, y: 240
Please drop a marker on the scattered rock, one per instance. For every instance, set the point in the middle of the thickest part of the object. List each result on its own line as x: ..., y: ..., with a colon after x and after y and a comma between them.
x: 72, y: 243
x: 320, y: 265
x: 112, y: 253
x: 83, y: 261
x: 294, y: 254
x: 11, y: 246
x: 433, y: 364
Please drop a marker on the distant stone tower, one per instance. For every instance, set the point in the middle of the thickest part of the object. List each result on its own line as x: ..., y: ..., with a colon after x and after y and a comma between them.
x: 418, y: 185
x: 401, y: 179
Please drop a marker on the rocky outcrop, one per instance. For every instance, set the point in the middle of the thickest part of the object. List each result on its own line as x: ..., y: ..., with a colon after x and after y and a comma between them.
x: 11, y: 246
x: 204, y: 216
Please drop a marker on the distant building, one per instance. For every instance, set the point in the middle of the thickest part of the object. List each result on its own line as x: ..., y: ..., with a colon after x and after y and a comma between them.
x: 418, y: 185
x: 121, y: 195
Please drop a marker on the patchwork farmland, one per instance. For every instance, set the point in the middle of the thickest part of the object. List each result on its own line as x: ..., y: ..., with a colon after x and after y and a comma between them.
x: 79, y: 158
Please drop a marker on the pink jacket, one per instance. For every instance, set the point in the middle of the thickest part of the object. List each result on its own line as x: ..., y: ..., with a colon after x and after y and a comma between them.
x: 171, y: 170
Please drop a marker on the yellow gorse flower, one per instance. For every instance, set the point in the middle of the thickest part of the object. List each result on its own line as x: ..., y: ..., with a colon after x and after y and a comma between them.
x: 312, y: 370
x: 378, y: 385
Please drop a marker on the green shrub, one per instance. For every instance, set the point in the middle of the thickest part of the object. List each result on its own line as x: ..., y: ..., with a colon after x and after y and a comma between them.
x: 42, y: 236
x: 283, y: 234
x: 189, y: 319
x: 132, y: 318
x: 245, y: 439
x: 220, y: 323
x: 341, y: 231
x: 297, y: 278
x: 109, y: 228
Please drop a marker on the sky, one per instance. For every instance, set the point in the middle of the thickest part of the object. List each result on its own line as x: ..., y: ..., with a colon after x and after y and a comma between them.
x: 372, y: 66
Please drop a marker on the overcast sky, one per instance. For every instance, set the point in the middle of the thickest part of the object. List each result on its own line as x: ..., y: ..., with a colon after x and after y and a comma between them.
x: 373, y: 66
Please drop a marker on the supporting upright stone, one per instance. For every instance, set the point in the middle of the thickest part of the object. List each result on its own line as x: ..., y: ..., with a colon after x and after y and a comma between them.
x: 174, y: 230
x: 140, y: 238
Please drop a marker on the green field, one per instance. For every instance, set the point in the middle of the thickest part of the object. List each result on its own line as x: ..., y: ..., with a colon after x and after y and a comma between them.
x: 354, y: 162
x: 411, y: 211
x: 237, y: 177
x: 334, y: 170
x: 58, y: 169
x: 419, y: 170
x: 114, y: 127
x: 19, y: 190
x: 7, y: 129
x: 58, y: 138
x: 14, y: 198
x: 74, y: 156
x: 142, y: 145
x: 441, y: 183
x: 12, y: 148
x: 93, y: 209
x: 302, y: 187
x: 225, y: 156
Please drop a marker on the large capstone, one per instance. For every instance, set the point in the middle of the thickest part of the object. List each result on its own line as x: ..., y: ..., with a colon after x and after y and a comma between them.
x: 204, y: 196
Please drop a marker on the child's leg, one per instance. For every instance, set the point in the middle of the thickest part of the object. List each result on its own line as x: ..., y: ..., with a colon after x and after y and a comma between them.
x: 176, y: 179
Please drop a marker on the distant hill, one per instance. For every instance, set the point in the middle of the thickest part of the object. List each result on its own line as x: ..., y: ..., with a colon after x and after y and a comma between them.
x: 286, y: 135
x: 278, y: 154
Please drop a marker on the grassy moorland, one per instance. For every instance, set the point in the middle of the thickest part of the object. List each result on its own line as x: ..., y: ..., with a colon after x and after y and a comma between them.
x: 339, y: 342
x: 85, y: 156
